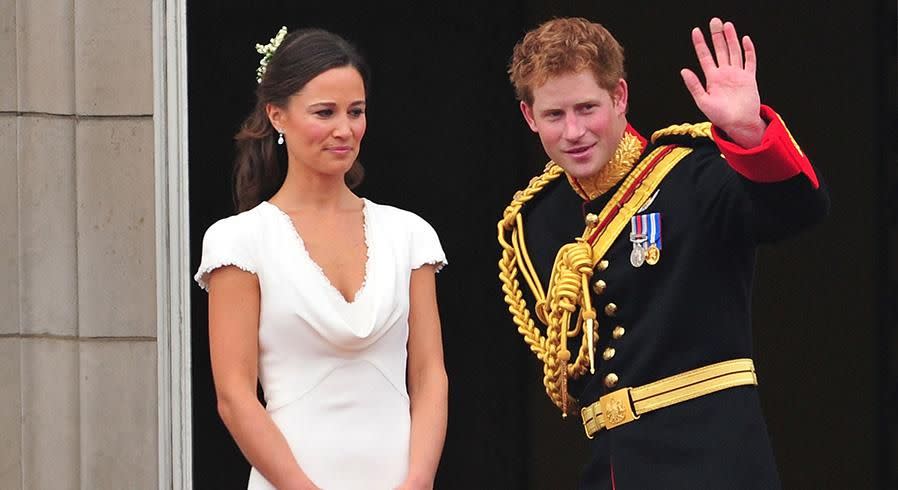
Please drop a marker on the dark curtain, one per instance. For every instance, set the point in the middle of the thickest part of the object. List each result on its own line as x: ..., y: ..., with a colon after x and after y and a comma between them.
x: 445, y: 140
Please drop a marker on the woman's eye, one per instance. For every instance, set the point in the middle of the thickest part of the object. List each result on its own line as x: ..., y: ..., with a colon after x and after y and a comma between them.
x: 324, y: 113
x: 356, y: 112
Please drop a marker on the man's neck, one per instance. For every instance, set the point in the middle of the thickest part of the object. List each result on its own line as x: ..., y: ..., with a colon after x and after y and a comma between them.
x: 629, y: 148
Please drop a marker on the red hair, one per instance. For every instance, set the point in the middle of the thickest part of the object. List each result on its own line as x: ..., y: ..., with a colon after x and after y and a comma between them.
x: 562, y: 46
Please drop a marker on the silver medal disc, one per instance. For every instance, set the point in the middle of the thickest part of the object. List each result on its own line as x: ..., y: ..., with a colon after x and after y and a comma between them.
x: 637, y: 256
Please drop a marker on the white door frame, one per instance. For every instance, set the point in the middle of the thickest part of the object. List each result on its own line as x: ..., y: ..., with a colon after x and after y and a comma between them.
x: 172, y: 245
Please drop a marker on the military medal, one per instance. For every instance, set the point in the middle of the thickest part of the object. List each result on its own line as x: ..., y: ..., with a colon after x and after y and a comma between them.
x: 645, y: 235
x: 652, y: 255
x: 637, y: 255
x: 652, y: 229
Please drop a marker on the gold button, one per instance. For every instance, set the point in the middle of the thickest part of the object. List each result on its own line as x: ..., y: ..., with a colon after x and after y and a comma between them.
x: 608, y: 354
x: 591, y: 219
x: 603, y: 264
x: 599, y: 286
x: 611, y: 380
x: 618, y: 332
x: 611, y: 309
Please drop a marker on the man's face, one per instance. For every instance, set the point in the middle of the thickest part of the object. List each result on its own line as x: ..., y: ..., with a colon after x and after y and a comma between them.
x: 579, y: 123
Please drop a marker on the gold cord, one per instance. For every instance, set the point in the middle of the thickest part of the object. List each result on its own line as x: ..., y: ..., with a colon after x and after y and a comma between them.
x: 508, y: 268
x: 568, y: 291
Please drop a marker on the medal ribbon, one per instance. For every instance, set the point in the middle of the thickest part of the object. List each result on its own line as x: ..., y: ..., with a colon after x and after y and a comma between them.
x: 652, y: 228
x: 635, y: 191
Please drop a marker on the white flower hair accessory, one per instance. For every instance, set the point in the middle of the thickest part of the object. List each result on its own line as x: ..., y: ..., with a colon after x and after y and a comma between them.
x: 267, y: 51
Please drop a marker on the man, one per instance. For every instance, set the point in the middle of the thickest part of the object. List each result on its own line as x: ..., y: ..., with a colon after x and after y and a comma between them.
x: 638, y: 257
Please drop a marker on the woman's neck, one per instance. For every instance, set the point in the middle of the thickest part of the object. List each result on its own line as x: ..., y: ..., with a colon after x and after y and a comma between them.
x: 304, y: 189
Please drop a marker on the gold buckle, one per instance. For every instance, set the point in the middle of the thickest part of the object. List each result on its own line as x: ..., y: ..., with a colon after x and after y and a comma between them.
x: 617, y: 408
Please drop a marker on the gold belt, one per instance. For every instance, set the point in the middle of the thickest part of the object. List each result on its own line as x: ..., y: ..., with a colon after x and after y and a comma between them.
x: 626, y: 404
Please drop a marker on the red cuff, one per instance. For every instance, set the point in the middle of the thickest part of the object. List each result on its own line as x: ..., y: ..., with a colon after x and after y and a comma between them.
x: 776, y: 159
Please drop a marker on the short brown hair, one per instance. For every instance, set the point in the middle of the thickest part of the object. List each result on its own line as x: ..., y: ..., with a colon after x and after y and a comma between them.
x: 562, y: 46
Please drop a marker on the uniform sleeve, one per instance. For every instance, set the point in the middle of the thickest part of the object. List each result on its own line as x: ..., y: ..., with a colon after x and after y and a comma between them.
x: 758, y: 195
x: 753, y: 213
x: 224, y: 244
x: 425, y: 246
x: 776, y: 159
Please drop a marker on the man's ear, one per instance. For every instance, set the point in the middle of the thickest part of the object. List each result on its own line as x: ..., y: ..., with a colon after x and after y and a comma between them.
x: 620, y: 97
x: 527, y: 111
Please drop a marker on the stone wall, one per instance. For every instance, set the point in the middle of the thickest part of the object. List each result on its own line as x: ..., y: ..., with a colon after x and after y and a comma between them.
x: 77, y: 246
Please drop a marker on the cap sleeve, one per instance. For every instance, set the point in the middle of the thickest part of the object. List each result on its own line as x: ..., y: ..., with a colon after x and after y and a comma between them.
x: 225, y: 243
x: 425, y: 246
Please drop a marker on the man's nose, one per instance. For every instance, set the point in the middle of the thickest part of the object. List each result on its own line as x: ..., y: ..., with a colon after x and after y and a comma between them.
x: 573, y: 127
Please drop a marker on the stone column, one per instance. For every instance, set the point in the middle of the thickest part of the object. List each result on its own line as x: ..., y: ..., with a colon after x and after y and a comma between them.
x: 77, y: 245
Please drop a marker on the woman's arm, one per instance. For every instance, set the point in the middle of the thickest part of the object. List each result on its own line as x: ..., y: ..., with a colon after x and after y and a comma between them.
x: 234, y: 299
x: 427, y: 382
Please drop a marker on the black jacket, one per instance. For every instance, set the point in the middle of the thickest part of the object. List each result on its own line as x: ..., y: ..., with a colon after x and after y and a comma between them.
x: 691, y: 309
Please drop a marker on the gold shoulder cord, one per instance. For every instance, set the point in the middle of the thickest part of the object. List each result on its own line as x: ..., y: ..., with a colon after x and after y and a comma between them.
x: 568, y: 290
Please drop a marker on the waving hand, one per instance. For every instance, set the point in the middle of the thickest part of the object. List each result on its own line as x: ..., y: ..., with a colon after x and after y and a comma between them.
x: 730, y: 97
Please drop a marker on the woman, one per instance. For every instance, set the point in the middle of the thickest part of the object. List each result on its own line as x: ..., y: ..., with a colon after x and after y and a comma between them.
x: 327, y: 298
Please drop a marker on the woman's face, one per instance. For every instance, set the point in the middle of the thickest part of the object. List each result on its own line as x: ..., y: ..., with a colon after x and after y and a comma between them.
x: 323, y: 123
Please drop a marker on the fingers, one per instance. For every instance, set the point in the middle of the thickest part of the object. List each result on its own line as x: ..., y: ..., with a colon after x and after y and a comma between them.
x: 718, y: 39
x: 751, y: 57
x: 733, y: 48
x: 694, y: 85
x: 705, y: 60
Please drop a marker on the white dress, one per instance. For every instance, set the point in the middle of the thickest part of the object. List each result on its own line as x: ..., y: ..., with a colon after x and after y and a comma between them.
x: 333, y: 371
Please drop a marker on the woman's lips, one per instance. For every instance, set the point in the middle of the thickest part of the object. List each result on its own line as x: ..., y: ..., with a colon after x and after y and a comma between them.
x: 339, y: 150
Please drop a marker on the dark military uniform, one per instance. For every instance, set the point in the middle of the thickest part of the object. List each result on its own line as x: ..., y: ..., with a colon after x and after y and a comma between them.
x: 691, y: 309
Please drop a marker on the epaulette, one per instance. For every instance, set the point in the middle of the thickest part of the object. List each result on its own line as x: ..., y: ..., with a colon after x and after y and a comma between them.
x: 684, y: 134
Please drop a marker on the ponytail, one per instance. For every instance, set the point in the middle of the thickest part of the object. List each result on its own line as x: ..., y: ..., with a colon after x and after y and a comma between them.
x: 258, y: 171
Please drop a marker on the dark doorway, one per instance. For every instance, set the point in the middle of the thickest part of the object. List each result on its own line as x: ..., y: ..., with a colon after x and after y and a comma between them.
x: 441, y: 141
x: 445, y: 140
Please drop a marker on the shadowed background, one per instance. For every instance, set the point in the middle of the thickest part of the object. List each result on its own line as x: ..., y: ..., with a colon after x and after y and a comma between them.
x: 445, y: 139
